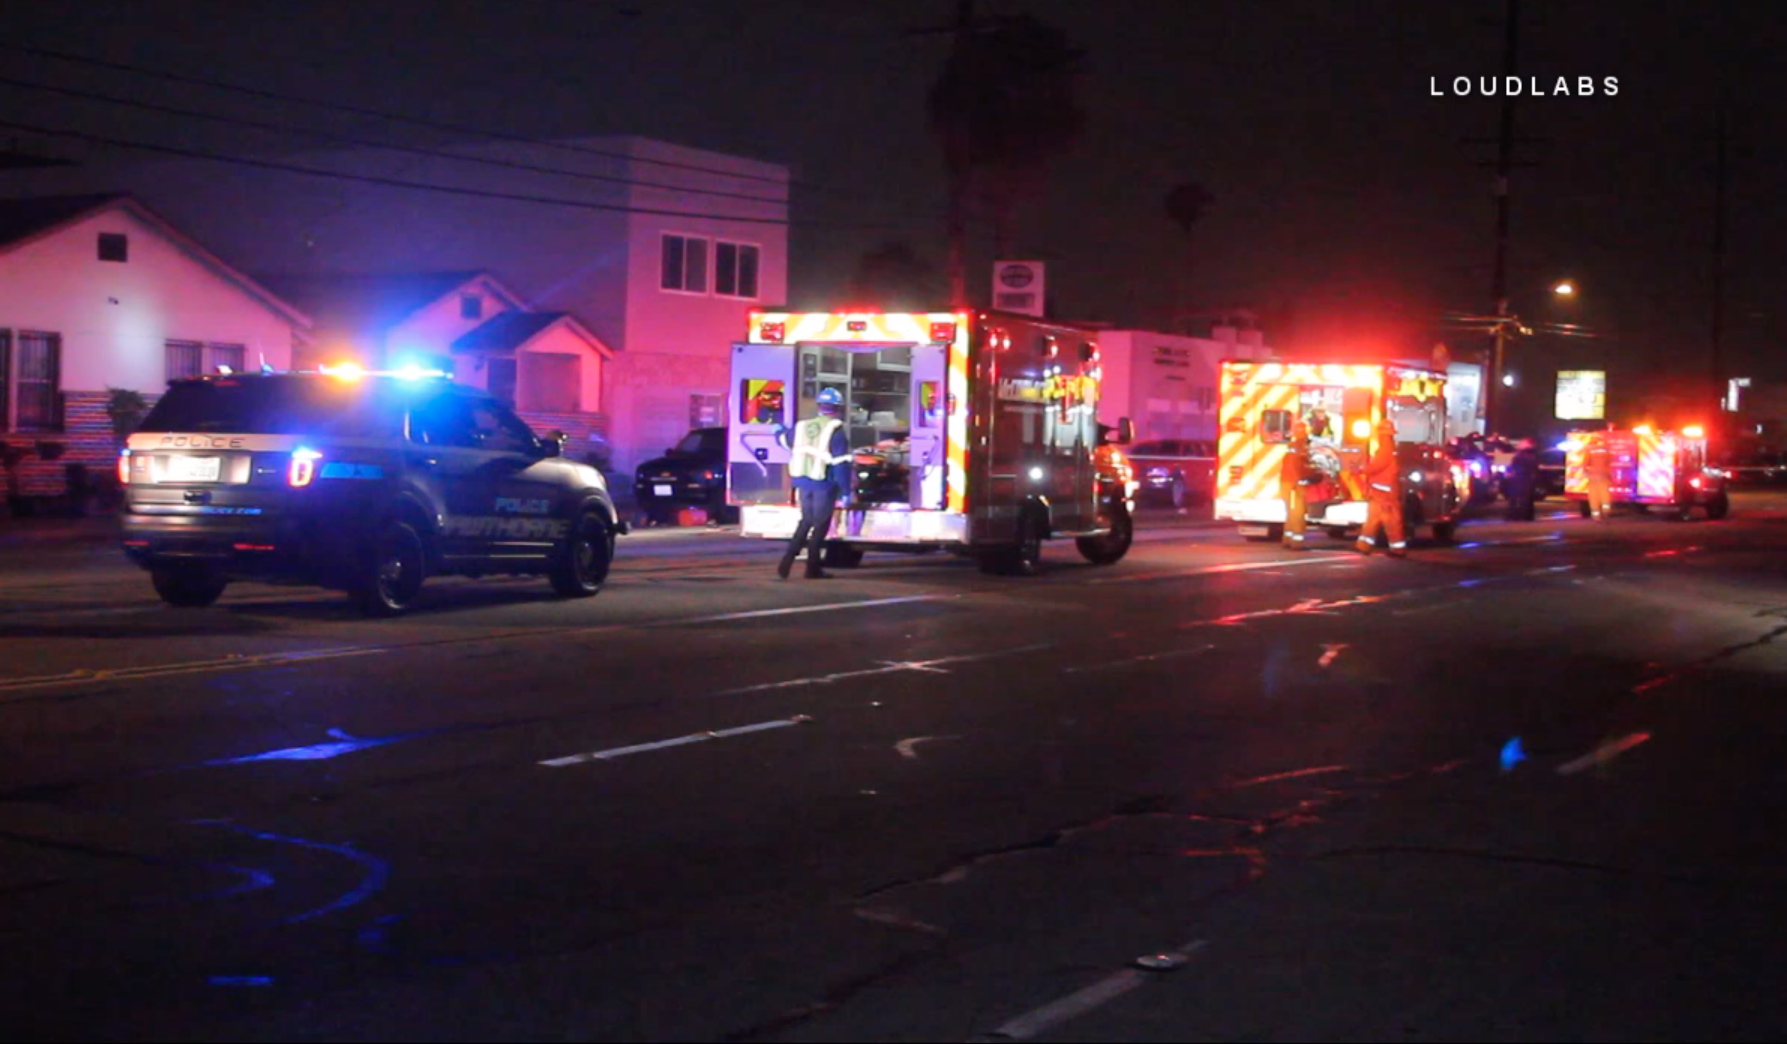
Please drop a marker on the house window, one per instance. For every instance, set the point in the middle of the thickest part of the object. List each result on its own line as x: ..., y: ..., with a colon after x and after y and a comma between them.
x: 185, y: 359
x: 195, y: 359
x: 685, y: 264
x: 471, y: 306
x: 500, y: 381
x: 31, y: 381
x: 114, y: 246
x: 735, y: 270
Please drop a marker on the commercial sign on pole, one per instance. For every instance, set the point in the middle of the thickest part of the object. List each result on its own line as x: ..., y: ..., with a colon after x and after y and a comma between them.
x: 1018, y: 287
x: 1582, y: 395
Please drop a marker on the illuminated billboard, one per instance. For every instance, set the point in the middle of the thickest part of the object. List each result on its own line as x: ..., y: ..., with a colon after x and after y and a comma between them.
x: 1582, y: 395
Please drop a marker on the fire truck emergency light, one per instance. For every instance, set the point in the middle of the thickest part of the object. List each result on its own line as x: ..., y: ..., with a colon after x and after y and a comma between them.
x: 1694, y: 431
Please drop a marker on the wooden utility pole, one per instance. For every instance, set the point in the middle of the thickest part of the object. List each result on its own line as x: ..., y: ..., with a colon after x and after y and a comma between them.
x: 956, y: 266
x: 1718, y: 324
x: 1504, y: 167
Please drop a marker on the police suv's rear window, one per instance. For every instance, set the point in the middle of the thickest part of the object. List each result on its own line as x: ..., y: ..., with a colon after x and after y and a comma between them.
x: 275, y: 406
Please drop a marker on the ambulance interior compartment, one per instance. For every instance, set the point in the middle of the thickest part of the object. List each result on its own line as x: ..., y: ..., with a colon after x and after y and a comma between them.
x: 876, y: 385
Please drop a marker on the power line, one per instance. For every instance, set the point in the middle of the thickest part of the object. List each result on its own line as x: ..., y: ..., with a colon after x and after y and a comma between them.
x: 454, y: 128
x: 372, y: 179
x: 330, y: 136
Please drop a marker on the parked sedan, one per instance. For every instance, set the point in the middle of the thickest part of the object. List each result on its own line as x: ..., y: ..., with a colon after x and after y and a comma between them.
x: 691, y: 473
x: 1174, y: 471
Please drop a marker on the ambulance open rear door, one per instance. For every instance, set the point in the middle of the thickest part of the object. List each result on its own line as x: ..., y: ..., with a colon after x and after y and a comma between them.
x: 759, y: 398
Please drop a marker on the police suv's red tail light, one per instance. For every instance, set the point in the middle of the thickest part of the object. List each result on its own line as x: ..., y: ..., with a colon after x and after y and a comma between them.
x: 303, y: 467
x: 124, y: 468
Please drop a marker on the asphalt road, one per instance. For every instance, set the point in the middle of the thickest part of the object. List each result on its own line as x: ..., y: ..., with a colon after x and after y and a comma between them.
x: 1528, y: 787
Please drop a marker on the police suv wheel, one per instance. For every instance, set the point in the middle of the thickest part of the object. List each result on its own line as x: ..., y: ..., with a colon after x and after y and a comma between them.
x: 581, y: 564
x: 395, y: 569
x: 187, y: 586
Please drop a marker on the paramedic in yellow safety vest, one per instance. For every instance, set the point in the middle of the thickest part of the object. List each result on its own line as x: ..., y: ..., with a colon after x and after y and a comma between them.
x: 819, y: 461
x: 1383, y: 496
x: 1597, y: 469
x: 1290, y: 483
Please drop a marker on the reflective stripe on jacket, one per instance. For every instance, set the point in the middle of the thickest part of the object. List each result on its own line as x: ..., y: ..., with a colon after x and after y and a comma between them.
x: 811, y: 456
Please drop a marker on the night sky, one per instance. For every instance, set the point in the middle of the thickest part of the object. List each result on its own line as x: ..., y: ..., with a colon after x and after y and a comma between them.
x: 1344, y: 191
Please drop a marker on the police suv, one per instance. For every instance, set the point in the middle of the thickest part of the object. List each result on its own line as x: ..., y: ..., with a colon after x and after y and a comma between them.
x: 362, y: 482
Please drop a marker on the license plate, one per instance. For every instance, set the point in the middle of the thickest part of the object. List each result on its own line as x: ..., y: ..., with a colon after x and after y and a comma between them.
x: 195, y: 469
x: 660, y: 491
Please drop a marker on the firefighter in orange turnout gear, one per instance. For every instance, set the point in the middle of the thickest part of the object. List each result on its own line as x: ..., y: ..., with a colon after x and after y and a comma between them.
x: 1597, y: 468
x: 1290, y: 482
x: 1383, y: 496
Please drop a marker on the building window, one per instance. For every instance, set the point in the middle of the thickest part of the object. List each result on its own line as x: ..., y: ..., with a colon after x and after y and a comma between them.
x: 114, y: 246
x: 471, y: 306
x: 684, y: 264
x: 735, y: 270
x: 500, y: 381
x: 704, y: 411
x: 30, y: 381
x: 195, y: 358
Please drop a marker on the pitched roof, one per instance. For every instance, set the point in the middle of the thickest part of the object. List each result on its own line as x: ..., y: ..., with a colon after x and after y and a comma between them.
x: 33, y: 215
x: 509, y: 331
x: 363, y: 305
x: 26, y: 218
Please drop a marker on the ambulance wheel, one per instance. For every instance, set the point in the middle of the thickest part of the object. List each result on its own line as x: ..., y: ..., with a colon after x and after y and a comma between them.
x: 1582, y: 506
x: 188, y: 586
x: 1110, y: 548
x: 841, y: 556
x: 580, y: 566
x: 393, y: 571
x: 1274, y: 534
x: 1443, y: 532
x: 1718, y: 507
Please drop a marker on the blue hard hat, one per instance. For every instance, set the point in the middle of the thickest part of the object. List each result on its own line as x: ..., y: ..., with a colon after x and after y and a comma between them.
x: 830, y: 397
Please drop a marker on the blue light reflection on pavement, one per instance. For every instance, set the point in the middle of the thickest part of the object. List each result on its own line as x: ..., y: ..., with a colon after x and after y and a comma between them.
x: 1512, y: 754
x: 344, y: 744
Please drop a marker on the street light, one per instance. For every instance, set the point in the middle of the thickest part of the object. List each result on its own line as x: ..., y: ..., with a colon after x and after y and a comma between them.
x: 1564, y: 289
x: 1503, y: 326
x: 1507, y: 380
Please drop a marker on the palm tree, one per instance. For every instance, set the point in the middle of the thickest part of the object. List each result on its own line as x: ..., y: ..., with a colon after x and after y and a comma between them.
x: 893, y: 277
x: 1003, y: 106
x: 1186, y: 204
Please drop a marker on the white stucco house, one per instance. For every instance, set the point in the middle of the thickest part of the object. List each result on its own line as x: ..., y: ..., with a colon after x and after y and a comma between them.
x: 100, y: 292
x: 547, y: 365
x: 658, y: 250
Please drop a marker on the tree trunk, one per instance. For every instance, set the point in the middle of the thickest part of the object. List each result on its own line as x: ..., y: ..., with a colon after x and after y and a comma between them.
x: 956, y: 267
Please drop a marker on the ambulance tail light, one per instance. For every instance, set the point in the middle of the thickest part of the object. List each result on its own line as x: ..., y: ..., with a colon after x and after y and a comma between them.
x: 303, y: 467
x: 1361, y: 429
x: 1695, y: 482
x: 124, y: 468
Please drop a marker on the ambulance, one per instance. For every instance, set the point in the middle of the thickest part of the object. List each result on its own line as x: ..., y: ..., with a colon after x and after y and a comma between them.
x: 972, y: 431
x: 1341, y: 405
x: 1667, y: 469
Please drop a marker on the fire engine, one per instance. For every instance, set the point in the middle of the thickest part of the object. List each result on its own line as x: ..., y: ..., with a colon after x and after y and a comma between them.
x: 972, y: 431
x: 1341, y: 405
x: 1663, y: 468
